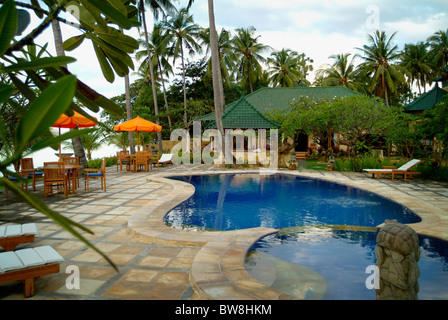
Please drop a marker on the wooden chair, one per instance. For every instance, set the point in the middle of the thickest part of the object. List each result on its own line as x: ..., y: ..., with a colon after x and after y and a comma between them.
x: 96, y: 173
x: 14, y: 179
x: 141, y: 160
x: 123, y: 158
x: 72, y: 160
x: 27, y: 265
x: 54, y: 174
x: 153, y: 158
x: 12, y: 235
x: 27, y: 166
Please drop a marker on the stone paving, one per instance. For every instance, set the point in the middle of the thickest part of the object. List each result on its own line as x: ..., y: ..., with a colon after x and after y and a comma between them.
x: 157, y: 262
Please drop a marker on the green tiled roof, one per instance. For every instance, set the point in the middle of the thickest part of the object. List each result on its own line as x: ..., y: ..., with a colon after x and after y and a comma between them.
x: 426, y: 101
x: 244, y: 115
x: 270, y: 99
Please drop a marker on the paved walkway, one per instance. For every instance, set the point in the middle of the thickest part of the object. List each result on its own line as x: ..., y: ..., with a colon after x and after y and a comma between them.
x: 158, y: 262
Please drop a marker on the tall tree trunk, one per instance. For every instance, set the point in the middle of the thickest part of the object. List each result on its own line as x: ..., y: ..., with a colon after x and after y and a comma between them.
x: 185, y: 85
x: 385, y: 90
x: 221, y: 86
x: 164, y: 93
x: 129, y: 112
x: 128, y: 109
x: 76, y: 142
x: 153, y: 80
x: 217, y: 83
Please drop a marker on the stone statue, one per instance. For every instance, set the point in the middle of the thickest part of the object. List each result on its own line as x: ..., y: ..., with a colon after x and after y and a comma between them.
x: 397, y: 253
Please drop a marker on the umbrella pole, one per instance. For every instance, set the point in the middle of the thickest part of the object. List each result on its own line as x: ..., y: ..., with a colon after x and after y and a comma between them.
x: 60, y: 145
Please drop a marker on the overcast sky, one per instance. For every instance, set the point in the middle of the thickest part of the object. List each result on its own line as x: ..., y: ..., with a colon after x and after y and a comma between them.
x: 319, y: 29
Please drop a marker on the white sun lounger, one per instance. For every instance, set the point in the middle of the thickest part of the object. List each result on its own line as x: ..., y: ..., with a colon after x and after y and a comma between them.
x: 166, y: 158
x: 13, y: 234
x: 404, y: 170
x: 28, y: 264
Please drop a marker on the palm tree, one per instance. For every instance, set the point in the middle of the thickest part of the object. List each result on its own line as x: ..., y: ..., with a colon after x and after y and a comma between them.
x: 225, y: 53
x: 284, y: 68
x: 439, y: 49
x: 76, y: 142
x: 248, y: 51
x: 341, y: 73
x: 157, y: 43
x: 380, y: 55
x: 157, y: 7
x: 415, y: 59
x: 182, y: 31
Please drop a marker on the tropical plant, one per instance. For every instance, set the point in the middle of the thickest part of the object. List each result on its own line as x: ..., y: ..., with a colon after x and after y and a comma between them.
x: 157, y: 7
x: 249, y: 54
x: 284, y: 68
x: 438, y: 43
x: 380, y: 55
x: 225, y: 53
x: 91, y: 141
x: 182, y: 31
x: 48, y: 88
x: 342, y: 72
x: 157, y: 42
x: 415, y: 58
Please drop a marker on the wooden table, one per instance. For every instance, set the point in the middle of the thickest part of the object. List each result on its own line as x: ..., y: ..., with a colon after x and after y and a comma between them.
x: 131, y: 158
x: 71, y: 169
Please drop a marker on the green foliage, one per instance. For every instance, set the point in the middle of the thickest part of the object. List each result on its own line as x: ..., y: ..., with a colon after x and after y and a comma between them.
x: 96, y: 163
x: 353, y: 117
x: 362, y: 162
x: 35, y: 89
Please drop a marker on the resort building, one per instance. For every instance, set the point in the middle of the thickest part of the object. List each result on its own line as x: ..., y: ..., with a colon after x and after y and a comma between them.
x: 426, y: 101
x: 250, y: 111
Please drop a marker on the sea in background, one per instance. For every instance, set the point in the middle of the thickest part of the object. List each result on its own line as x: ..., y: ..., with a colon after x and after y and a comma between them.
x: 49, y: 155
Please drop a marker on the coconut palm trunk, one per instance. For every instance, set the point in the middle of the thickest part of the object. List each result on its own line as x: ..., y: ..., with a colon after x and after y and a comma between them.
x: 129, y: 112
x: 217, y: 83
x: 128, y: 109
x: 185, y: 85
x: 151, y: 70
x: 164, y: 93
x: 76, y: 142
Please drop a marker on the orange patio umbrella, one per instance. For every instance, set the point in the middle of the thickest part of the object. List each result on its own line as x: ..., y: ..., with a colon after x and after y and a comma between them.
x: 138, y: 124
x: 77, y: 120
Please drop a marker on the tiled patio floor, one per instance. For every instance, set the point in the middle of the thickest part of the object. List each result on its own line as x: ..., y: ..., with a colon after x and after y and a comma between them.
x: 157, y: 262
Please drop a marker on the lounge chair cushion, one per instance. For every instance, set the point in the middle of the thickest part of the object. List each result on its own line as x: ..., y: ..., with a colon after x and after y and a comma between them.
x: 14, y: 230
x: 36, y: 173
x: 48, y: 254
x: 95, y: 174
x: 10, y: 261
x: 24, y: 258
x: 165, y: 157
x: 408, y: 165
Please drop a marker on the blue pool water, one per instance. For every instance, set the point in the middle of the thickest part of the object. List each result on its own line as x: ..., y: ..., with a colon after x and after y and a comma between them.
x: 341, y: 258
x: 239, y: 201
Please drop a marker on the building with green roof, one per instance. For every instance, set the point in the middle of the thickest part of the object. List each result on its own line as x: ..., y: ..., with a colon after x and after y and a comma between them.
x: 267, y: 100
x: 426, y: 101
x: 249, y: 112
x: 243, y: 115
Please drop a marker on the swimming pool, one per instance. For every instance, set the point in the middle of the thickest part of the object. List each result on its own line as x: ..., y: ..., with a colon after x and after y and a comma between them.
x: 238, y: 201
x: 318, y: 253
x: 340, y: 257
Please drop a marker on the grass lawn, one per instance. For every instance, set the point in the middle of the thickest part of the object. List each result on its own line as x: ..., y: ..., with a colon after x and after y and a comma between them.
x: 315, y: 165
